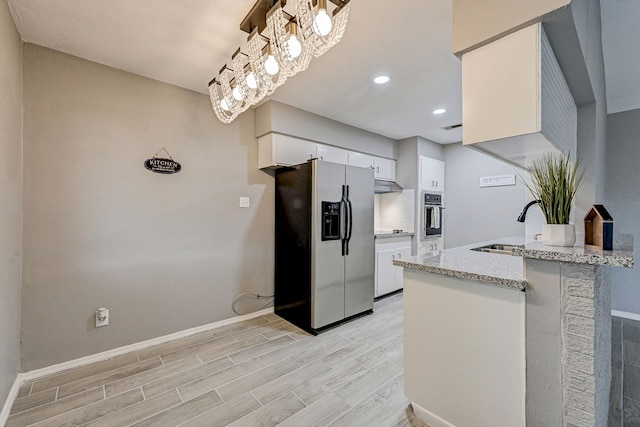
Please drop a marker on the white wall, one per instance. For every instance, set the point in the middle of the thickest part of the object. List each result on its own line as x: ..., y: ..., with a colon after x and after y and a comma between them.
x: 475, y: 214
x: 163, y: 252
x: 623, y: 201
x: 10, y: 199
x: 476, y: 22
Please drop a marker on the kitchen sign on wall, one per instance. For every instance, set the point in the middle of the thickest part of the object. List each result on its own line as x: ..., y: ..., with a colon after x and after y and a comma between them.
x: 162, y: 165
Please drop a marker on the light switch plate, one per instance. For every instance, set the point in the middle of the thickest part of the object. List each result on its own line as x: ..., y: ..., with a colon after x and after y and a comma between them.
x: 244, y: 202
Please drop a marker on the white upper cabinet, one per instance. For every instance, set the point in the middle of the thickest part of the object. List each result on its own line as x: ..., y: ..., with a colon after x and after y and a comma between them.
x: 431, y: 174
x: 501, y: 88
x: 328, y: 153
x: 276, y: 150
x: 281, y: 150
x: 361, y: 160
x: 384, y: 169
x: 516, y: 103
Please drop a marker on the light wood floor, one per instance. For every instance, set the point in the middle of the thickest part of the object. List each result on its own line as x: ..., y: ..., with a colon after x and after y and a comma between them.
x: 261, y: 372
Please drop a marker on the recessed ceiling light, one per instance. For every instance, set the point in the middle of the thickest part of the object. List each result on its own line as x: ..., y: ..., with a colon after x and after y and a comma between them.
x: 439, y: 111
x: 381, y: 80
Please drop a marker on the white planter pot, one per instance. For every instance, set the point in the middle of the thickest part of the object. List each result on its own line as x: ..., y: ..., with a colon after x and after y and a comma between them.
x: 558, y: 234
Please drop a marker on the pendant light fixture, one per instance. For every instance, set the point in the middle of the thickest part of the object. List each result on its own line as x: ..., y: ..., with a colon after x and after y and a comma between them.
x: 289, y: 43
x: 322, y: 23
x: 271, y: 66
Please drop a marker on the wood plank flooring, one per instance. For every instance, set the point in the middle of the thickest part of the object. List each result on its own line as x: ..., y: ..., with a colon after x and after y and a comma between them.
x: 261, y: 372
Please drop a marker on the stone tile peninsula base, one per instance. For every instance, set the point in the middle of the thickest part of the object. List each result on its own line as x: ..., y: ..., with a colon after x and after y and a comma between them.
x: 568, y: 344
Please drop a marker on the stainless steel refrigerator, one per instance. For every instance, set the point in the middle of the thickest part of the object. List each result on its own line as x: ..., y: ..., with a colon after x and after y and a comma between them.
x: 324, y: 247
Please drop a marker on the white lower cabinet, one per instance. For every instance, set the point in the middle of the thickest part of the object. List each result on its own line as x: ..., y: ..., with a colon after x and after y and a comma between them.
x: 430, y: 245
x: 388, y: 276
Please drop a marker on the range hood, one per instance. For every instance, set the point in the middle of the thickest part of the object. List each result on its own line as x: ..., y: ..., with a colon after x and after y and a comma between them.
x: 380, y: 186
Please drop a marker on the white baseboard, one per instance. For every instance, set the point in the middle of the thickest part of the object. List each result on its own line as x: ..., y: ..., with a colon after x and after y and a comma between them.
x: 432, y: 419
x: 625, y: 314
x: 109, y: 354
x: 13, y: 392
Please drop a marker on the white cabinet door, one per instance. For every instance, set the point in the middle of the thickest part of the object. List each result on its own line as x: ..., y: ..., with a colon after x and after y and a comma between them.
x: 360, y: 160
x: 429, y: 246
x: 402, y: 253
x: 501, y: 82
x: 384, y: 169
x: 388, y: 276
x: 281, y: 150
x: 293, y: 151
x: 386, y: 272
x: 431, y: 174
x: 332, y: 154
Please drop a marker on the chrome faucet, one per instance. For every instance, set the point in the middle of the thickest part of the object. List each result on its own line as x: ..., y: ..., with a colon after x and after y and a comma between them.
x: 523, y: 214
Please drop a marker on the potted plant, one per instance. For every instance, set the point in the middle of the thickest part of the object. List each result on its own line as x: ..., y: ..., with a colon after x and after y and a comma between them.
x: 553, y: 181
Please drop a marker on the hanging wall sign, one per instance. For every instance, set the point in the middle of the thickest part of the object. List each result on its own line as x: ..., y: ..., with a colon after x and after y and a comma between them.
x: 161, y: 164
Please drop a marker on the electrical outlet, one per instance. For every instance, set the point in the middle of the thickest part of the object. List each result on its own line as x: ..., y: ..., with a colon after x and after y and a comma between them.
x: 244, y: 202
x: 102, y: 317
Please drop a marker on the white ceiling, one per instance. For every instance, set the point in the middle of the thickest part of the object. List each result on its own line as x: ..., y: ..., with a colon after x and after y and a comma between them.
x: 186, y: 42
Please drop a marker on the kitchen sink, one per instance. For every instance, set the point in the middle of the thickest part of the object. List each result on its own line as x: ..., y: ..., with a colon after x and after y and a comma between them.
x: 497, y: 248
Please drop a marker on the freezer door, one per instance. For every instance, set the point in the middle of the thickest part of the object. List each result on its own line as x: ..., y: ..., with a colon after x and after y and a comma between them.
x: 360, y: 263
x: 327, y: 283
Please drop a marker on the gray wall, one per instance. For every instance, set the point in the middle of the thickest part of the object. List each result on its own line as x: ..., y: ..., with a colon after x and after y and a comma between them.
x: 163, y: 252
x: 623, y: 200
x: 592, y: 118
x: 10, y: 199
x: 274, y: 116
x: 477, y: 214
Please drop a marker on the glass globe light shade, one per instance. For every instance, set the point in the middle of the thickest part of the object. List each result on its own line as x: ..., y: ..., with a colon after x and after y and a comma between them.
x: 224, y: 104
x: 237, y: 93
x: 295, y: 48
x: 251, y: 81
x: 271, y: 66
x: 322, y: 23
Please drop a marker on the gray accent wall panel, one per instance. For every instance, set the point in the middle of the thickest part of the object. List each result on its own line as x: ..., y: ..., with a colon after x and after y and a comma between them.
x: 559, y: 112
x: 163, y: 252
x: 10, y: 199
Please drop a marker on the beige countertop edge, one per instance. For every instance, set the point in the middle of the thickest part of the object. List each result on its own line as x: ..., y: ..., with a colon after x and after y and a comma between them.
x: 502, y: 282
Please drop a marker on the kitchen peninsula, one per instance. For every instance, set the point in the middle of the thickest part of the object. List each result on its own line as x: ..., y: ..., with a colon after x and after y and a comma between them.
x: 510, y: 339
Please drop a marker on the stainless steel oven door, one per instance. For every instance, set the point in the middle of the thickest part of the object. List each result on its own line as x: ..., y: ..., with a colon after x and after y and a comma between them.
x: 432, y: 221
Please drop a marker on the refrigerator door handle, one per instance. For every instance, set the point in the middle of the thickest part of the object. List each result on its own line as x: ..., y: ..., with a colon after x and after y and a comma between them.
x: 344, y: 224
x: 349, y: 219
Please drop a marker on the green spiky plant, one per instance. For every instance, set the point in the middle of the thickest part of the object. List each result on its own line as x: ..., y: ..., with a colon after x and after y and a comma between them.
x: 554, y: 181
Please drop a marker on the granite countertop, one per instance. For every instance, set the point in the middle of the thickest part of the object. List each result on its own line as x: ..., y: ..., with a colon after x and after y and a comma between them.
x: 620, y: 256
x: 388, y: 234
x: 508, y: 270
x: 463, y: 263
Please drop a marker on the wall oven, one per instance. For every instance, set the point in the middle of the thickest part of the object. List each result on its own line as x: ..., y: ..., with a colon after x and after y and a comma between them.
x: 432, y: 215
